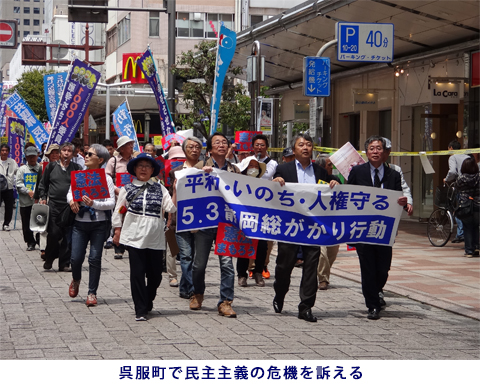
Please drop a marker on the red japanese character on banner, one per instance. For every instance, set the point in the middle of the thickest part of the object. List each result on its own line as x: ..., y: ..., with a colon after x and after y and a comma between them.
x: 123, y: 178
x: 231, y: 241
x: 92, y: 183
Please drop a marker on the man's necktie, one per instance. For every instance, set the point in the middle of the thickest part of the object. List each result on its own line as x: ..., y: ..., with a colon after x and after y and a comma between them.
x: 376, y: 179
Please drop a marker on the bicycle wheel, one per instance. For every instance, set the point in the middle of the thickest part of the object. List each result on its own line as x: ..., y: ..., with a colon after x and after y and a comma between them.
x: 440, y: 226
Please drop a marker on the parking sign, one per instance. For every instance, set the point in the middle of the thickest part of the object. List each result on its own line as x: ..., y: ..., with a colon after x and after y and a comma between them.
x: 316, y: 76
x: 364, y: 42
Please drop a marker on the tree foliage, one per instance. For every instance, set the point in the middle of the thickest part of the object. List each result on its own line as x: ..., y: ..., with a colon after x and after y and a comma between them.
x: 199, y: 64
x: 30, y: 88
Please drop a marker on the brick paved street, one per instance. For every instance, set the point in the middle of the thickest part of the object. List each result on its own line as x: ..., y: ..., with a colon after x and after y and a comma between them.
x: 40, y: 321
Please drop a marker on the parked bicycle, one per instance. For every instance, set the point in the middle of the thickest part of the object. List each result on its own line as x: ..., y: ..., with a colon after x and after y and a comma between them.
x: 440, y: 223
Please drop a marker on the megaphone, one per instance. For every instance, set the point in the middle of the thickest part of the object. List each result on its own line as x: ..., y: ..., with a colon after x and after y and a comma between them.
x: 39, y: 218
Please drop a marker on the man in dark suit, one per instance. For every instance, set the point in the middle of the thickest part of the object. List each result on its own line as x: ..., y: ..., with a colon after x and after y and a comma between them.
x: 375, y: 260
x: 300, y: 170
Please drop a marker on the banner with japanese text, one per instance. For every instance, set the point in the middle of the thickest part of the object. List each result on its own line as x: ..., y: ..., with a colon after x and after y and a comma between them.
x: 227, y: 42
x: 123, y: 178
x: 24, y: 112
x: 90, y: 182
x: 16, y: 138
x: 147, y: 65
x: 243, y: 140
x: 79, y: 87
x: 3, y: 117
x: 30, y: 179
x: 53, y: 87
x: 305, y: 214
x: 123, y: 124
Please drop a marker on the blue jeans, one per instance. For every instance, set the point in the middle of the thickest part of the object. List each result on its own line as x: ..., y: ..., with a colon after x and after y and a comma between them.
x: 460, y: 233
x: 84, y: 232
x: 203, y: 244
x: 186, y: 244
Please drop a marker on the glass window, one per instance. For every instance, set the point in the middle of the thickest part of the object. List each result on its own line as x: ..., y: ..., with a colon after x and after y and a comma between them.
x: 36, y: 33
x: 111, y: 40
x: 36, y: 22
x: 36, y: 10
x: 124, y: 30
x: 26, y: 10
x: 214, y: 21
x: 255, y: 19
x: 154, y: 24
x: 26, y: 22
x: 16, y: 10
x: 25, y: 33
x: 182, y: 23
x: 38, y: 1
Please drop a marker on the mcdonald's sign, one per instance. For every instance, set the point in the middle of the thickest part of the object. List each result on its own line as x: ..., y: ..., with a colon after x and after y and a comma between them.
x: 130, y: 71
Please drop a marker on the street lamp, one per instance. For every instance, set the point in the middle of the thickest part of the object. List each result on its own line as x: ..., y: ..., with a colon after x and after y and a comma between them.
x: 107, y: 103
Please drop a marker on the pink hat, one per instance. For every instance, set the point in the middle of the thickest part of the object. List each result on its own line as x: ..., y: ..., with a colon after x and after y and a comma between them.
x: 176, y: 152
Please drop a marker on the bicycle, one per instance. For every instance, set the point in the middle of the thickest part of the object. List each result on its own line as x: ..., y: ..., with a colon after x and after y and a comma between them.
x: 440, y: 222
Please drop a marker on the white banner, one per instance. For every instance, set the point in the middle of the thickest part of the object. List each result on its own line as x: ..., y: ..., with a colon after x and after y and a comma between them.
x: 305, y: 214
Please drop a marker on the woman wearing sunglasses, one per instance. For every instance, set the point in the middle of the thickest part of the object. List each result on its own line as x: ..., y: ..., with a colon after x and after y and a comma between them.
x: 92, y: 224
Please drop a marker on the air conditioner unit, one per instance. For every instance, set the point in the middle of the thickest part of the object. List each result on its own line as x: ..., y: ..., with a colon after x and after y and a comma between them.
x: 197, y: 16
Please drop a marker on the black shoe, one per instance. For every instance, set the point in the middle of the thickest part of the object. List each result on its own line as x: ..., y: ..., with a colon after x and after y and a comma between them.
x: 108, y: 245
x: 307, y: 316
x: 373, y: 314
x: 277, y: 305
x: 47, y: 264
x: 456, y: 240
x: 31, y: 247
x: 185, y: 295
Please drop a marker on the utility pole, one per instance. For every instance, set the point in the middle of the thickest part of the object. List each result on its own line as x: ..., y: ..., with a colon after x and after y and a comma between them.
x: 171, y: 10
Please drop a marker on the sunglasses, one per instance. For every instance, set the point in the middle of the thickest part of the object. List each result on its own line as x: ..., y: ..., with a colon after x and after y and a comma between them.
x: 90, y: 154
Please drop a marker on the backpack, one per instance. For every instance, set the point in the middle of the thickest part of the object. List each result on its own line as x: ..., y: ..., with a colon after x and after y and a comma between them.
x: 3, y: 183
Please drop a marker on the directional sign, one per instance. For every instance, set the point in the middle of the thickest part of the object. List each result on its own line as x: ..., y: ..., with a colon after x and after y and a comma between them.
x: 8, y: 33
x: 316, y: 76
x: 364, y: 42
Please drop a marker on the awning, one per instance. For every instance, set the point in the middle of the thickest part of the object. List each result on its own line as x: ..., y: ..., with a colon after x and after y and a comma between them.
x: 421, y: 27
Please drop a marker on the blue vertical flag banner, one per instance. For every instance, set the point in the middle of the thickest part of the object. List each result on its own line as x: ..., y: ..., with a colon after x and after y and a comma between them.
x: 147, y: 65
x: 227, y: 42
x: 16, y: 138
x: 81, y: 82
x: 123, y: 124
x: 24, y: 112
x: 3, y: 118
x: 53, y: 87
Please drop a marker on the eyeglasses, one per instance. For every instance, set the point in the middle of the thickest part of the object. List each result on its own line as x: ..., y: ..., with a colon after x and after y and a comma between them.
x: 90, y: 154
x: 220, y: 143
x: 144, y: 166
x: 195, y: 147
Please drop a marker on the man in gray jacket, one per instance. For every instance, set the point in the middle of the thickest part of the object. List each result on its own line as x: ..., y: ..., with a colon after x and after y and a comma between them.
x: 26, y: 180
x: 8, y: 168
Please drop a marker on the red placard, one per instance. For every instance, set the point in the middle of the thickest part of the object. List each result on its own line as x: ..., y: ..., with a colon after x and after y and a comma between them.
x: 243, y: 140
x: 161, y: 176
x: 351, y: 248
x: 169, y: 165
x: 232, y: 242
x: 91, y: 182
x: 167, y: 140
x: 123, y: 178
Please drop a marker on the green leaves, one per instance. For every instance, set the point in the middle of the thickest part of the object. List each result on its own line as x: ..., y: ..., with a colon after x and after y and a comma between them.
x: 30, y: 87
x: 199, y: 65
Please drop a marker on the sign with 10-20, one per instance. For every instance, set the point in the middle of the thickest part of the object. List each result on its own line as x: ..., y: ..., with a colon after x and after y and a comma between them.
x: 364, y: 42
